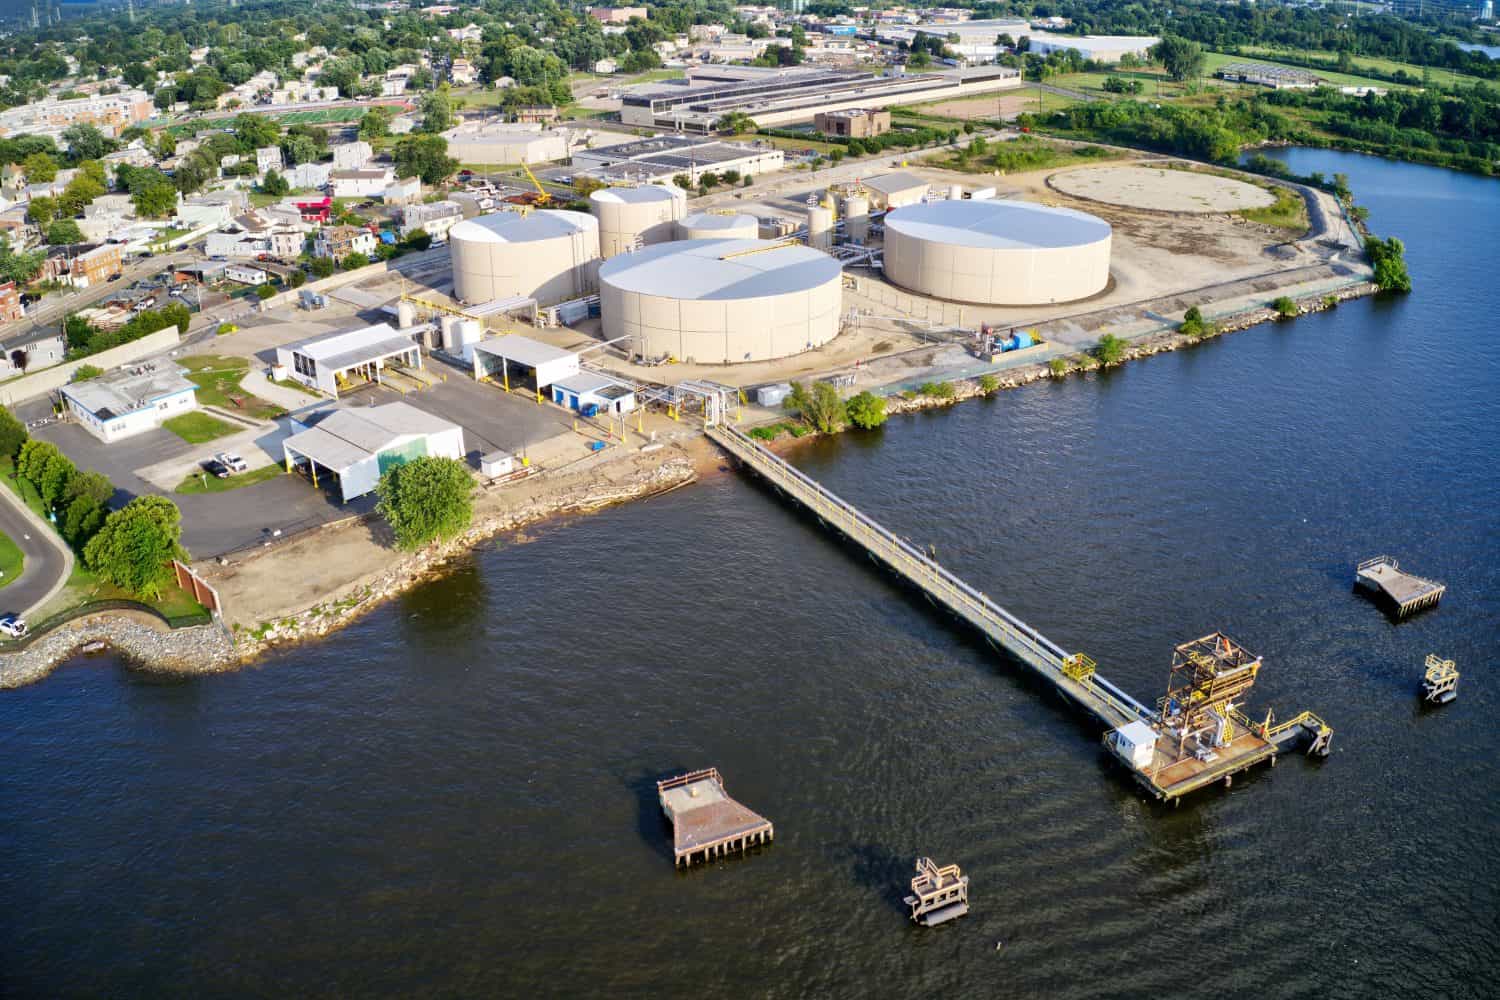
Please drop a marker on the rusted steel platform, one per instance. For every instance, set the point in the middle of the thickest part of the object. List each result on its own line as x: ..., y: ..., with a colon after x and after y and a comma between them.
x: 706, y: 822
x: 938, y: 894
x: 1406, y: 592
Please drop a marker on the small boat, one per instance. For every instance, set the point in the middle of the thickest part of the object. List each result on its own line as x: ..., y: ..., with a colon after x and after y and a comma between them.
x: 94, y: 646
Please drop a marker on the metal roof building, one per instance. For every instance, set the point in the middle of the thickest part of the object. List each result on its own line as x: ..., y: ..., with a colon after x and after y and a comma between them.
x: 895, y: 190
x: 548, y: 255
x: 323, y: 362
x: 721, y: 301
x: 130, y: 401
x: 520, y: 355
x: 359, y: 445
x: 997, y: 252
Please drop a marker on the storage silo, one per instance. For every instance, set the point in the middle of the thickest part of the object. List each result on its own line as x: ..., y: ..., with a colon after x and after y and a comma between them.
x: 721, y: 301
x: 718, y: 226
x: 547, y: 254
x: 997, y: 252
x: 955, y: 192
x: 406, y: 314
x: 463, y: 335
x: 631, y: 217
x: 820, y: 228
x: 857, y: 218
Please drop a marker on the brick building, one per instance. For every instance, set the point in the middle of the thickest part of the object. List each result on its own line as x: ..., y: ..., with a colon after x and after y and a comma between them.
x: 855, y: 123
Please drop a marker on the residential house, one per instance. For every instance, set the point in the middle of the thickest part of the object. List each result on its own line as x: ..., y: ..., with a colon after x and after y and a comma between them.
x: 351, y: 155
x: 468, y: 33
x: 309, y: 175
x: 129, y: 402
x: 606, y: 66
x: 339, y: 242
x: 40, y: 347
x: 360, y: 183
x: 82, y: 264
x: 10, y: 303
x: 616, y: 15
x: 435, y: 218
x: 404, y: 191
x: 267, y: 158
x: 462, y: 72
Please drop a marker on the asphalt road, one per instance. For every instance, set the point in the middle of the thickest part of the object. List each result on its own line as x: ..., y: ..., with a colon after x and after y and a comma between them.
x: 46, y: 564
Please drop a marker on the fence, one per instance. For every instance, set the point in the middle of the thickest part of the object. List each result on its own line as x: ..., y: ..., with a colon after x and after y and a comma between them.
x: 194, y: 584
x: 30, y: 386
x: 51, y: 622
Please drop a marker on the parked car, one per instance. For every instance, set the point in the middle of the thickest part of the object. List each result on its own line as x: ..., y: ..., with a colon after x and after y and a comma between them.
x: 231, y: 461
x: 13, y: 626
x: 216, y: 468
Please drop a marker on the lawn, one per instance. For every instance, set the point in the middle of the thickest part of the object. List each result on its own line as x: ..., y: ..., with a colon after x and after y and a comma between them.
x: 287, y: 383
x: 199, y: 428
x: 218, y: 380
x: 812, y: 142
x: 1025, y: 154
x: 201, y: 483
x: 1289, y: 212
x: 1440, y: 77
x: 11, y: 561
x: 1212, y: 61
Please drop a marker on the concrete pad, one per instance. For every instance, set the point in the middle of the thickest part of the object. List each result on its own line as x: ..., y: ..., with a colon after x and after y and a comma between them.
x: 1160, y: 190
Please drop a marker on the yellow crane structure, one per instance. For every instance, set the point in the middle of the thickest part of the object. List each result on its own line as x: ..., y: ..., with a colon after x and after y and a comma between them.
x: 542, y: 197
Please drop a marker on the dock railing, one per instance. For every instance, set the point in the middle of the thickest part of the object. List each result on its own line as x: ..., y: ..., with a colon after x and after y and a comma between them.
x: 928, y: 573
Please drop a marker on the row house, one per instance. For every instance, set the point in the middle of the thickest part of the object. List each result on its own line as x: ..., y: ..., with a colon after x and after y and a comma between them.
x: 339, y: 242
x: 82, y: 265
x: 434, y: 218
x: 369, y: 183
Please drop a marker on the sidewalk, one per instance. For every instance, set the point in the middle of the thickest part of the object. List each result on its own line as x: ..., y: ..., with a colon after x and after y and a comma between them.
x: 256, y: 383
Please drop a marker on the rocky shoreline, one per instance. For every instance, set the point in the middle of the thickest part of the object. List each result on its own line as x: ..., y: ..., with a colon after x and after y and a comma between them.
x: 147, y: 644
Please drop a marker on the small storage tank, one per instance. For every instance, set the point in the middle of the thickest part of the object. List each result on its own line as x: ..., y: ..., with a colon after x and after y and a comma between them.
x: 820, y: 228
x: 446, y: 324
x: 631, y: 217
x: 406, y: 314
x: 717, y: 226
x: 465, y: 334
x: 857, y: 218
x: 955, y: 192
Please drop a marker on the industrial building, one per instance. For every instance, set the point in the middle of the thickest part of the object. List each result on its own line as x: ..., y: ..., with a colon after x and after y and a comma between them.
x: 718, y: 226
x: 888, y: 191
x: 359, y: 446
x: 853, y: 123
x: 646, y: 161
x: 589, y: 390
x: 549, y: 255
x: 776, y: 96
x: 514, y: 359
x: 633, y: 217
x: 497, y: 142
x: 131, y: 401
x: 997, y: 252
x: 721, y: 301
x: 1275, y: 77
x: 326, y: 363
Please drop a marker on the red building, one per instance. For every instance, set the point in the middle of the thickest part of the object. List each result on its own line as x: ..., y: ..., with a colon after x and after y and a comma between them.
x: 315, y: 211
x: 10, y: 303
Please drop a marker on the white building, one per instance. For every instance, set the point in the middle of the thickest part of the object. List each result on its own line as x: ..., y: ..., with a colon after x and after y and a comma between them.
x: 246, y: 275
x: 404, y: 191
x: 360, y: 183
x: 129, y: 402
x: 358, y: 445
x: 267, y: 158
x: 309, y: 175
x: 506, y: 142
x: 351, y: 155
x: 434, y: 218
x: 334, y: 359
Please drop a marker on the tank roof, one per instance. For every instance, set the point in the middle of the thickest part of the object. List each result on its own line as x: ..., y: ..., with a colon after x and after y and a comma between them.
x: 636, y: 195
x: 720, y: 269
x: 997, y: 225
x: 522, y: 227
x: 716, y: 220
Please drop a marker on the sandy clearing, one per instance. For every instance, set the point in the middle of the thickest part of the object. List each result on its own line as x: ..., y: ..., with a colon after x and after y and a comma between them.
x: 1159, y: 190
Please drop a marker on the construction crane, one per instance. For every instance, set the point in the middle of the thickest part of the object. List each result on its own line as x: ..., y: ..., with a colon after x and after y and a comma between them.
x: 542, y: 197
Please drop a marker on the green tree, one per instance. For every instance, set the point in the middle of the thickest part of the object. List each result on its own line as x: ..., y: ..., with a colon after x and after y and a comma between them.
x: 134, y: 547
x: 40, y: 168
x: 354, y: 260
x: 64, y: 231
x: 376, y: 123
x: 323, y: 267
x: 85, y: 372
x: 42, y: 209
x: 426, y: 499
x: 819, y: 407
x: 1111, y: 349
x: 297, y: 278
x: 424, y: 156
x: 85, y: 142
x: 1285, y: 306
x: 52, y: 477
x: 152, y: 194
x: 866, y: 410
x: 275, y: 184
x: 437, y: 112
x: 419, y: 239
x: 255, y: 132
x: 1183, y: 59
x: 264, y: 292
x: 84, y: 506
x: 1388, y: 258
x: 12, y: 434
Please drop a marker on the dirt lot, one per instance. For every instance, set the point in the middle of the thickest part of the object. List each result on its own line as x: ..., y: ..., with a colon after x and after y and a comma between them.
x: 1004, y: 106
x: 1159, y: 190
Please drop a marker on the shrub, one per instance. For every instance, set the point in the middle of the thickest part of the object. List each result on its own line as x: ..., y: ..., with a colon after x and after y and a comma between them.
x: 1195, y: 326
x: 1111, y: 349
x: 225, y: 328
x: 988, y: 384
x: 1388, y: 258
x: 866, y: 410
x: 937, y: 390
x: 1059, y: 366
x: 819, y: 407
x: 1285, y: 307
x: 264, y: 292
x: 12, y: 434
x: 85, y: 372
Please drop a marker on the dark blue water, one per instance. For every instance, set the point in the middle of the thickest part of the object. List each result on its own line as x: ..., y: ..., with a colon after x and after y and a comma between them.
x: 454, y: 796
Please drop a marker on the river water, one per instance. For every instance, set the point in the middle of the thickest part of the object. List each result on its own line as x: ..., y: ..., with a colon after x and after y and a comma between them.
x: 455, y: 795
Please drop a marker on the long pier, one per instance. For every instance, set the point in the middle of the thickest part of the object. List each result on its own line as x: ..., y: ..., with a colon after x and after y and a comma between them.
x: 1167, y: 774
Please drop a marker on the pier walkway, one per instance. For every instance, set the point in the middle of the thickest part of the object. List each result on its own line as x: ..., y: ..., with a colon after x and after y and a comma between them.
x: 1162, y: 768
x: 1407, y: 592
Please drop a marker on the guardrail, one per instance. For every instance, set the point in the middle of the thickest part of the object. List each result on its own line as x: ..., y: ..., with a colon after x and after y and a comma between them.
x: 921, y: 567
x: 46, y: 625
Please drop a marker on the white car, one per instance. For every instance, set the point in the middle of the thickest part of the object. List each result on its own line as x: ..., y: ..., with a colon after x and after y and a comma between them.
x: 13, y: 626
x: 231, y: 461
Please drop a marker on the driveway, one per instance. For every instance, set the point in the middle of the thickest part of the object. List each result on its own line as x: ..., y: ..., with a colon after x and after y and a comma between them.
x: 48, y: 559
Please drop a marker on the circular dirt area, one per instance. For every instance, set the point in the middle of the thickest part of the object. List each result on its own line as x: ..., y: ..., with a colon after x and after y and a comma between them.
x: 1161, y: 190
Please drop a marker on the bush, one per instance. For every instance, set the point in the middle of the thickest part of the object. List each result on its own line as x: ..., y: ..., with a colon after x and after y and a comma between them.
x: 1388, y: 258
x: 866, y: 410
x: 297, y: 278
x: 1195, y: 326
x: 426, y: 499
x: 12, y: 434
x: 988, y: 384
x: 322, y: 267
x: 354, y: 261
x: 1111, y: 349
x: 936, y: 390
x: 264, y: 292
x: 85, y: 372
x: 1059, y: 366
x: 1285, y: 307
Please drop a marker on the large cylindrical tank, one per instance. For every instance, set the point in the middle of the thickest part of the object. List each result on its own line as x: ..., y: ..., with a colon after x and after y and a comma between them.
x: 857, y: 218
x: 721, y: 301
x: 997, y: 252
x: 632, y: 217
x: 820, y: 228
x: 715, y: 226
x: 547, y: 254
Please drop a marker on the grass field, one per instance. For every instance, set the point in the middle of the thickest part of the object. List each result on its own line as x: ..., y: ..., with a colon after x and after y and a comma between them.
x: 790, y: 145
x: 11, y: 561
x: 1212, y: 61
x: 1440, y: 77
x: 199, y: 428
x: 218, y: 380
x: 321, y: 116
x: 1025, y: 154
x: 287, y: 383
x: 201, y: 483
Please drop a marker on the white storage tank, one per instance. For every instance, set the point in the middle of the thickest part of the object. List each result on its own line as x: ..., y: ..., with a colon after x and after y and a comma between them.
x: 997, y: 252
x: 446, y: 325
x: 857, y: 218
x: 631, y: 217
x: 465, y: 334
x: 955, y: 192
x: 820, y: 228
x: 721, y: 301
x: 546, y: 254
x: 406, y: 314
x: 718, y: 226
